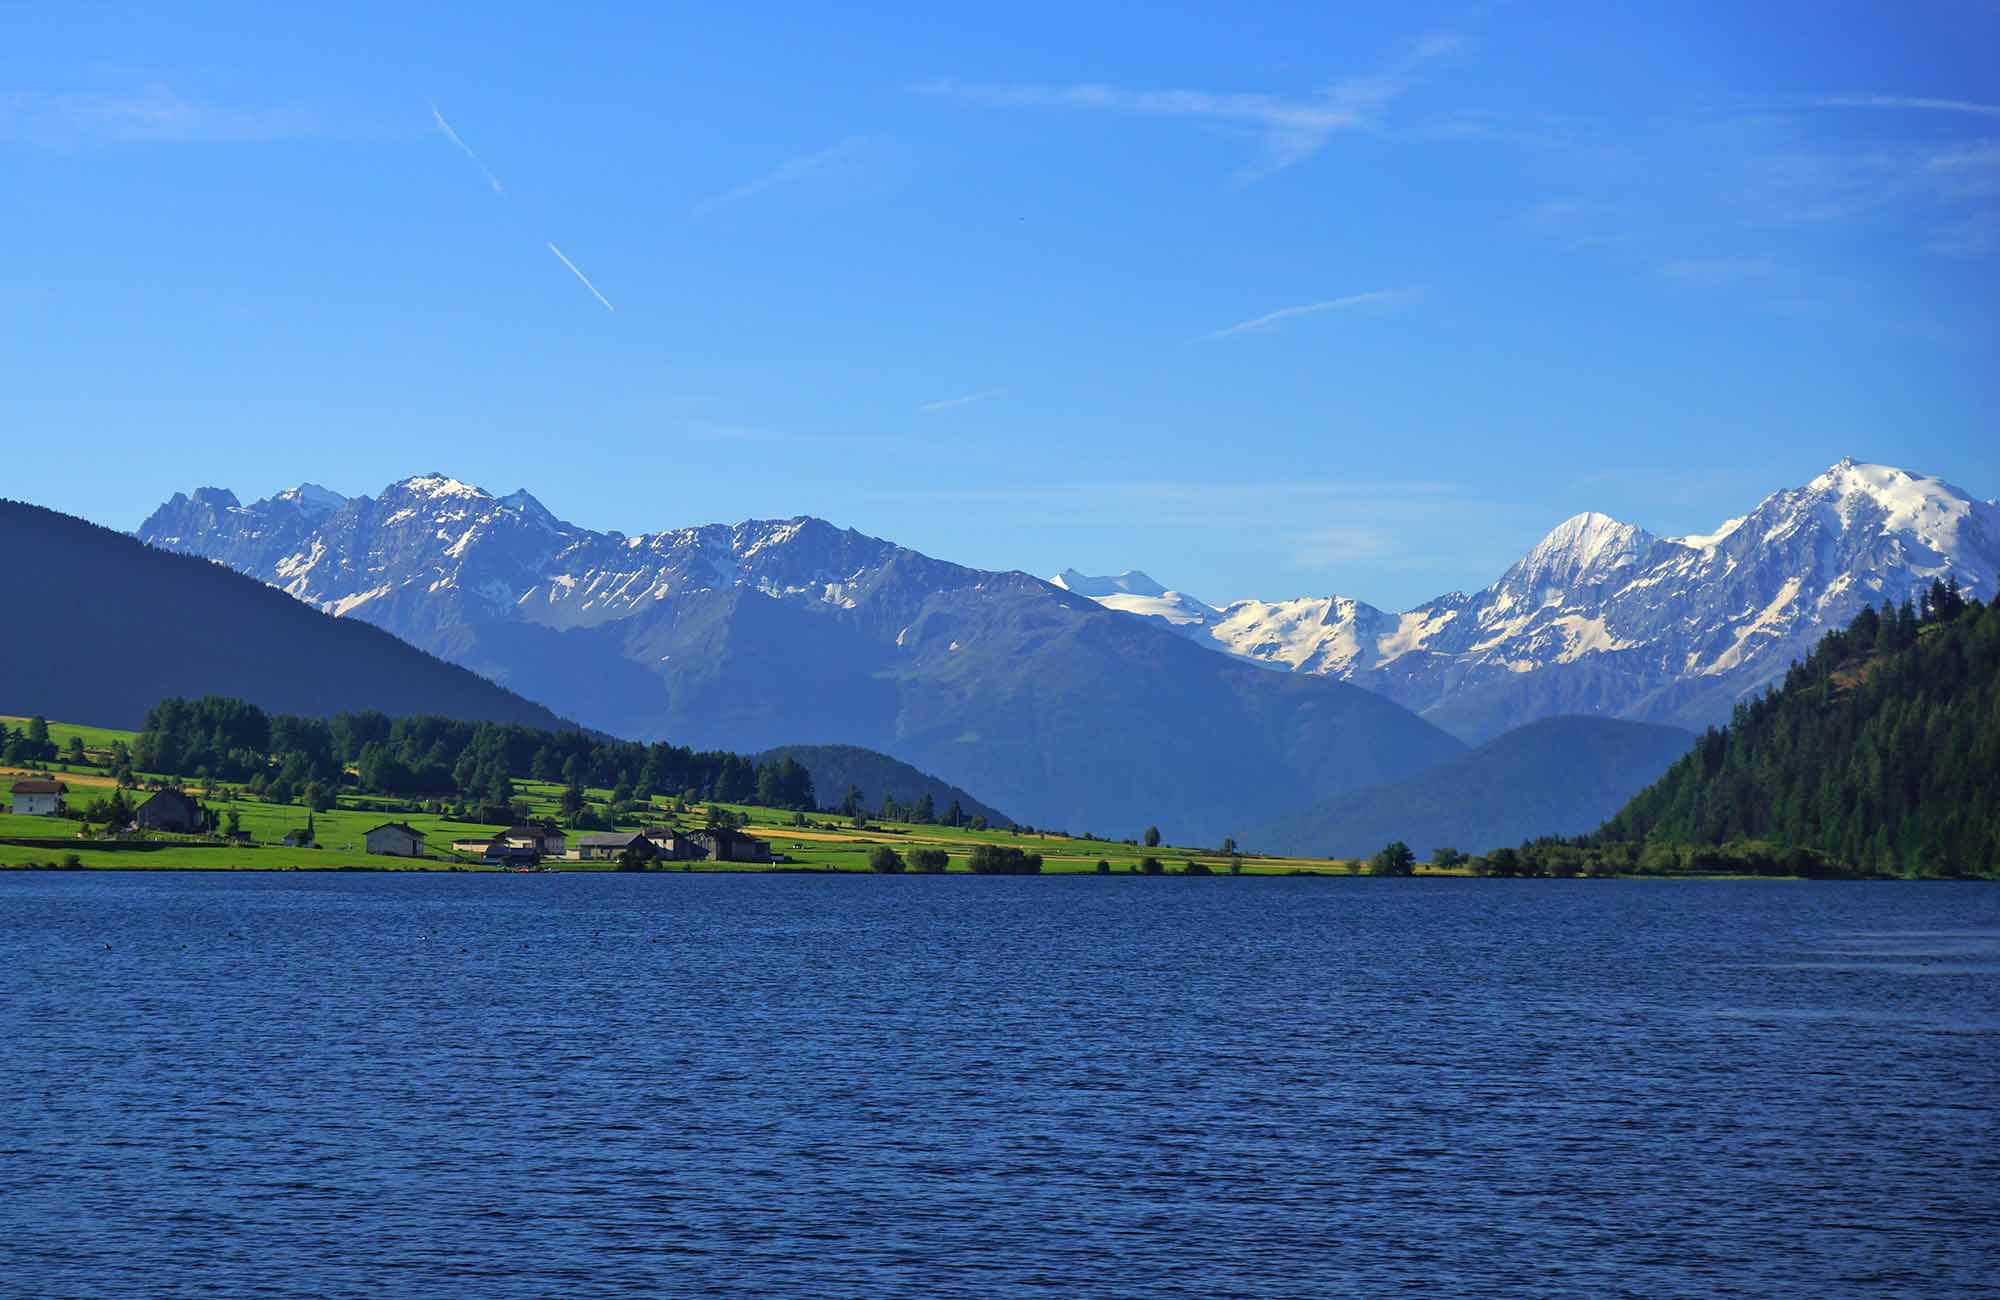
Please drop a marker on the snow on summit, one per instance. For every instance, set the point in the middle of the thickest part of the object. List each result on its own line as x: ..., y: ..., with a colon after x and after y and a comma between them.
x: 1134, y: 592
x: 1584, y: 548
x: 1602, y: 616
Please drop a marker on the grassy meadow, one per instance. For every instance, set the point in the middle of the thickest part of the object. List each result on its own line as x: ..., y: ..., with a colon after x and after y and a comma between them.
x: 828, y: 843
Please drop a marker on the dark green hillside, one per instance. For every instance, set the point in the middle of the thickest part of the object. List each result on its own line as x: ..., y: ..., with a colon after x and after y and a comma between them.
x: 114, y: 625
x: 1881, y: 751
x: 836, y: 768
x: 1558, y: 776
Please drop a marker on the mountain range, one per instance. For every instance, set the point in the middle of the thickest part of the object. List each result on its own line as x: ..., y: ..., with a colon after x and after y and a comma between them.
x: 1092, y: 703
x: 772, y: 632
x: 1604, y: 618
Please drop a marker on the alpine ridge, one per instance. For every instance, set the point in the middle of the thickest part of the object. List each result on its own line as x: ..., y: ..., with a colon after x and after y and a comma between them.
x: 1604, y: 618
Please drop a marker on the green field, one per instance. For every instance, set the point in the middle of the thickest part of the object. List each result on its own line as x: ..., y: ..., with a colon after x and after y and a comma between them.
x: 98, y: 738
x: 829, y: 843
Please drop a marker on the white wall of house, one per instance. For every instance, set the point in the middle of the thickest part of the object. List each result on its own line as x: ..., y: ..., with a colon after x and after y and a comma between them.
x: 37, y: 805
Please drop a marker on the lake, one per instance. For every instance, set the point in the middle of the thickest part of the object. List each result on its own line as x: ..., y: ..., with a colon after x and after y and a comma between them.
x: 504, y: 1086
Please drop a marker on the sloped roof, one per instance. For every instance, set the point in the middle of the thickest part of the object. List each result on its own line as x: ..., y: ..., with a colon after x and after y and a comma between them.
x: 607, y: 839
x: 40, y: 787
x: 395, y: 826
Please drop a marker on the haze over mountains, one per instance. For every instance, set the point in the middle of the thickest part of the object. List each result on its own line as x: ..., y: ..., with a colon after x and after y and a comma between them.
x: 1602, y: 617
x: 1094, y: 703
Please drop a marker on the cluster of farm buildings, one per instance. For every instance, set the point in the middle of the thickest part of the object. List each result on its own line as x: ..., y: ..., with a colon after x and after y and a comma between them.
x: 171, y: 810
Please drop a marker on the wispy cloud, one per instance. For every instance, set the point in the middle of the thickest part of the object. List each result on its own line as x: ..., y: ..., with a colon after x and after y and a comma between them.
x: 786, y: 172
x: 465, y: 148
x: 1917, y: 103
x: 579, y: 275
x: 156, y: 114
x: 967, y: 400
x: 1274, y: 318
x: 1292, y: 129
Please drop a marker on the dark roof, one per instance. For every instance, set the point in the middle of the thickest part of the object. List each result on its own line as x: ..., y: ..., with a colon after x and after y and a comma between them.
x: 187, y: 801
x: 607, y: 839
x: 531, y: 830
x: 395, y: 826
x: 40, y: 787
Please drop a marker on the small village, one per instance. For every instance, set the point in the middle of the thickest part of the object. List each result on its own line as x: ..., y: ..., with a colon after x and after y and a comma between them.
x: 527, y: 846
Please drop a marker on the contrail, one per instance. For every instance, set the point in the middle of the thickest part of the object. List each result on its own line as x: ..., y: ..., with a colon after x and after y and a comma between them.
x: 580, y: 275
x: 966, y: 400
x: 465, y: 148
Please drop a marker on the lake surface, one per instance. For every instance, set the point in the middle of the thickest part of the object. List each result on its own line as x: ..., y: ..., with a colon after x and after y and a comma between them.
x: 504, y: 1086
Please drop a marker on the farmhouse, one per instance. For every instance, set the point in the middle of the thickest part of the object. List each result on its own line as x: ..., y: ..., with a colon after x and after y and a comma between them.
x: 542, y: 841
x: 395, y: 840
x: 675, y: 845
x: 613, y: 844
x: 169, y: 810
x: 39, y: 798
x: 725, y: 845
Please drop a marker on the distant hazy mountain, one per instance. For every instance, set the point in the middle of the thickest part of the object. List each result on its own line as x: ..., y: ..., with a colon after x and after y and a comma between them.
x: 1132, y: 592
x: 106, y: 627
x: 835, y: 767
x: 1605, y: 618
x: 1558, y: 776
x: 794, y: 631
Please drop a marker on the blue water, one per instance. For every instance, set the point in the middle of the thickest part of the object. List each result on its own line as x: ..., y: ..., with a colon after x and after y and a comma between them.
x: 584, y: 1086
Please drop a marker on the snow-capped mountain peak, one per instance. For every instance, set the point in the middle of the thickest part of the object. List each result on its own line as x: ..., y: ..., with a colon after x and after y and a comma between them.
x: 1581, y: 550
x: 1601, y: 616
x: 1133, y: 592
x: 311, y: 499
x: 1129, y: 583
x: 437, y: 487
x: 1928, y: 507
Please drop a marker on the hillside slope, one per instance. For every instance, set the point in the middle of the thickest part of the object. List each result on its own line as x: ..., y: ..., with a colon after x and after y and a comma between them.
x: 117, y: 626
x: 1559, y: 776
x: 770, y: 632
x: 1881, y: 751
x: 836, y: 767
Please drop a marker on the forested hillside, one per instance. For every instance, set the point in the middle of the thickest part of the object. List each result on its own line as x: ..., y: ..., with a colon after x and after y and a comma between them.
x: 1881, y: 751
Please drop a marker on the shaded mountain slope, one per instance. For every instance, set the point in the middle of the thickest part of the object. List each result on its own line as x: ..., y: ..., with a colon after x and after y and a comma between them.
x: 836, y: 767
x: 120, y: 626
x: 1558, y: 776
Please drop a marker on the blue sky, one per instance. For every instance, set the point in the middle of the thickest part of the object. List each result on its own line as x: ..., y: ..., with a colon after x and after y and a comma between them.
x: 1271, y: 301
